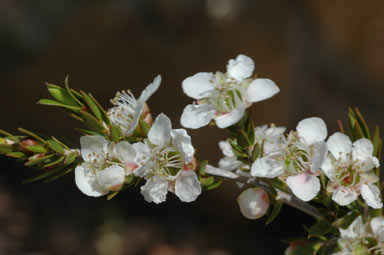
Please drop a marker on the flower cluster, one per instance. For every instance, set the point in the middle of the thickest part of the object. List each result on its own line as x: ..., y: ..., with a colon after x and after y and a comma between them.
x: 124, y: 147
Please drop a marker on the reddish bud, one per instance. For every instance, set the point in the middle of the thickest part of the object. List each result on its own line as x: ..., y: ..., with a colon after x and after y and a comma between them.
x: 27, y: 142
x: 191, y: 166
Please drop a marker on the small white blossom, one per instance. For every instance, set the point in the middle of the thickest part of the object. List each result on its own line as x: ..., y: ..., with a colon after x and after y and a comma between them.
x: 128, y: 110
x: 165, y: 160
x: 297, y: 160
x: 349, y: 168
x: 224, y: 97
x: 100, y: 172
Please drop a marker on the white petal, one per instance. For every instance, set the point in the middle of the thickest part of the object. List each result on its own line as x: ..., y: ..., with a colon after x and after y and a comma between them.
x: 261, y: 89
x: 231, y: 118
x: 377, y: 226
x: 241, y: 68
x: 93, y: 147
x: 319, y: 153
x: 340, y: 146
x: 226, y: 148
x: 305, y: 186
x: 150, y: 89
x: 125, y: 152
x: 182, y: 141
x: 187, y: 186
x: 268, y: 168
x: 344, y: 196
x: 111, y: 178
x: 145, y: 95
x: 197, y: 116
x: 362, y: 151
x: 199, y: 85
x: 328, y: 169
x: 312, y: 130
x: 155, y: 189
x: 253, y: 203
x: 160, y: 132
x: 86, y: 181
x: 229, y: 163
x: 371, y: 195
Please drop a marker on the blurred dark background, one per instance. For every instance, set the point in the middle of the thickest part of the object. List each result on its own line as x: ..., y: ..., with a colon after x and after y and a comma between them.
x: 325, y: 56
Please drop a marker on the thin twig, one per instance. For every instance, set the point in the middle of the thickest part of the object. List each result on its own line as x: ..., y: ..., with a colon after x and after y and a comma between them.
x: 281, y: 195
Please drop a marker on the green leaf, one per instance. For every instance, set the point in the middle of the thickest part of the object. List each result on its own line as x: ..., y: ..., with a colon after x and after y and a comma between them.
x: 347, y: 220
x: 55, y: 103
x: 61, y: 95
x: 60, y: 142
x: 276, y: 210
x: 93, y: 123
x: 256, y: 152
x: 33, y: 162
x: 202, y: 166
x: 104, y: 114
x: 69, y: 90
x: 362, y: 124
x: 116, y: 133
x: 16, y: 154
x: 31, y: 134
x: 145, y: 127
x: 53, y: 145
x: 243, y: 140
x: 237, y: 150
x: 54, y: 177
x: 214, y: 185
x: 87, y: 132
x: 320, y: 228
x: 71, y: 158
x: 2, y: 132
x: 376, y: 142
x: 92, y: 105
x: 36, y: 149
x: 42, y: 175
x: 54, y: 162
x: 6, y: 148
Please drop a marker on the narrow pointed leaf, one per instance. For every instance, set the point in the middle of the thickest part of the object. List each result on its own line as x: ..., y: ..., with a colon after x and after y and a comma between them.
x: 145, y: 127
x: 31, y: 134
x: 61, y: 95
x: 104, y: 114
x: 71, y: 158
x: 54, y: 162
x: 53, y: 145
x: 66, y: 81
x: 2, y: 132
x: 116, y: 133
x: 92, y: 105
x: 17, y: 154
x: 36, y: 149
x: 242, y: 139
x: 362, y: 124
x: 320, y: 228
x: 42, y: 175
x: 376, y: 141
x: 93, y: 123
x: 276, y: 210
x: 54, y: 177
x: 56, y: 103
x: 347, y: 220
x: 38, y: 160
x: 6, y: 148
x: 60, y: 142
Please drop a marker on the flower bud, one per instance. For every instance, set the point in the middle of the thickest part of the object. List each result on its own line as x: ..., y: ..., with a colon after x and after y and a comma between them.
x: 146, y: 115
x: 27, y: 142
x: 253, y: 203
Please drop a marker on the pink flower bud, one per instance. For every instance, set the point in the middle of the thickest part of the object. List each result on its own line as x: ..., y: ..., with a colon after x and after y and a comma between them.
x: 253, y: 203
x: 23, y: 145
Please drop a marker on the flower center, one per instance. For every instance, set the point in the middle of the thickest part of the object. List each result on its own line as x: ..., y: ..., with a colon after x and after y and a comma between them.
x: 124, y: 111
x: 167, y: 160
x: 347, y: 174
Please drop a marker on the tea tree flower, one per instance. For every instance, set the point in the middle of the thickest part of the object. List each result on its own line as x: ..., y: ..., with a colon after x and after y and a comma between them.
x: 253, y: 203
x: 224, y: 97
x: 94, y: 177
x: 298, y: 159
x: 128, y: 110
x: 165, y: 160
x: 350, y: 170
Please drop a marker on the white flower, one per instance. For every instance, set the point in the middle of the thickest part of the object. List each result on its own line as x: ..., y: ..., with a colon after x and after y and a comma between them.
x: 100, y: 172
x: 224, y: 97
x: 349, y: 168
x: 298, y: 159
x: 127, y: 110
x: 253, y: 203
x: 164, y: 161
